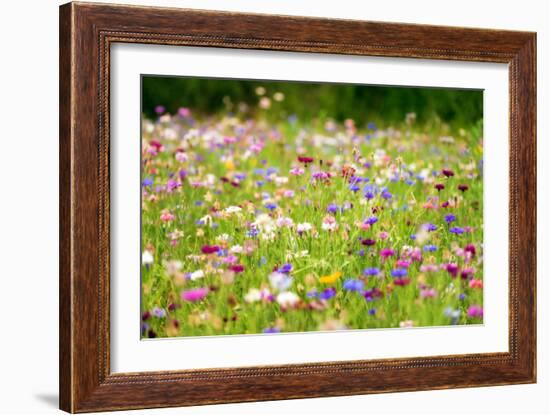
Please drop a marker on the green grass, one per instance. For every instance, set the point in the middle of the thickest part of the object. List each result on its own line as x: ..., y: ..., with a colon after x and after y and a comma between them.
x: 407, y: 147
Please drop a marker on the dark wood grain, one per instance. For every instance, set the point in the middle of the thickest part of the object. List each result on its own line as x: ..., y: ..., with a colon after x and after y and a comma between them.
x: 86, y: 33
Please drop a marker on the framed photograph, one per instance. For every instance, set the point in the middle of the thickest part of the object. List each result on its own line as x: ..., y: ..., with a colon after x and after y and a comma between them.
x: 258, y: 207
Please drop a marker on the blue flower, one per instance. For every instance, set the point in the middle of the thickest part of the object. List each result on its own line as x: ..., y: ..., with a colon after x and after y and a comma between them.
x: 271, y: 205
x: 371, y: 126
x: 285, y: 269
x: 371, y: 271
x: 271, y: 330
x: 430, y: 248
x: 413, y: 237
x: 430, y: 227
x: 399, y: 273
x: 354, y: 187
x: 353, y: 285
x: 332, y: 208
x: 456, y: 230
x: 252, y: 233
x: 311, y: 294
x: 148, y: 181
x: 372, y: 311
x: 371, y: 220
x: 327, y: 294
x: 386, y: 195
x: 450, y: 218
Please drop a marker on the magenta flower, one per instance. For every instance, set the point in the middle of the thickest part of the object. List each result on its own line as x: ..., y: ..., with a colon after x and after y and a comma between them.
x: 471, y: 249
x: 387, y: 252
x: 452, y: 269
x: 237, y: 268
x: 475, y: 311
x: 194, y: 295
x: 210, y: 249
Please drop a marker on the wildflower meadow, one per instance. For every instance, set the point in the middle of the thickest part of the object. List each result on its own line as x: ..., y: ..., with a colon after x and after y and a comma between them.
x: 261, y: 217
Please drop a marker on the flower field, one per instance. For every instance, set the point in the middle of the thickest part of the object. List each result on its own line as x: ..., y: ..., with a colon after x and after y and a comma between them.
x: 259, y: 224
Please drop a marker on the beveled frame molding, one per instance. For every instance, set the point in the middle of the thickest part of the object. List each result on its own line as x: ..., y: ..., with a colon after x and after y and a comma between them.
x: 86, y: 33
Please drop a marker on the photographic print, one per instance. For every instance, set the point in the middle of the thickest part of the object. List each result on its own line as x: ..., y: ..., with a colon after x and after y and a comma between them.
x: 277, y: 207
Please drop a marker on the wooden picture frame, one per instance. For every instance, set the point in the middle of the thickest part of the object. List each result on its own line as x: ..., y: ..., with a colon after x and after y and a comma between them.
x: 86, y: 33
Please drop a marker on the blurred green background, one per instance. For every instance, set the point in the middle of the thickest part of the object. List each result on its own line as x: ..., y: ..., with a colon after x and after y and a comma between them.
x: 362, y: 103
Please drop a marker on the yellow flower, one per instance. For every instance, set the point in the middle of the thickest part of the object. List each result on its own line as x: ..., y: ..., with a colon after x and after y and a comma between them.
x: 229, y: 165
x: 330, y: 279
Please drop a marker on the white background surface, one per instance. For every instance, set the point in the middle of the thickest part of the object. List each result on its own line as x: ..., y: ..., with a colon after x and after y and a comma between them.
x: 129, y: 354
x: 29, y: 208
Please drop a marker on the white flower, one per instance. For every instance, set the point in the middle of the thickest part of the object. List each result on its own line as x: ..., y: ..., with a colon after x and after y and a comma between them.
x: 287, y: 299
x: 280, y: 281
x: 253, y: 295
x: 232, y: 209
x: 147, y: 258
x: 197, y: 275
x: 236, y: 249
x: 304, y: 227
x: 223, y: 237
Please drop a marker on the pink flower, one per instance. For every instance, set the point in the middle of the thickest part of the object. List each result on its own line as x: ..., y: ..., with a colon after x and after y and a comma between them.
x: 383, y: 235
x: 166, y: 216
x: 297, y: 171
x: 402, y: 263
x: 387, y: 252
x: 475, y: 283
x: 428, y: 293
x: 194, y: 295
x: 428, y: 268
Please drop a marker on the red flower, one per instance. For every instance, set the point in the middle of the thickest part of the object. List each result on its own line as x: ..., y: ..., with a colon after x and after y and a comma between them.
x: 439, y: 186
x: 305, y: 160
x: 448, y: 172
x: 463, y: 187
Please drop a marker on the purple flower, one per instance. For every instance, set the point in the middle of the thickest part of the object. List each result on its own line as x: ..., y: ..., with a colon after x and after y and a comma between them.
x: 456, y: 230
x: 372, y: 311
x: 271, y: 205
x: 386, y: 195
x: 271, y: 330
x: 148, y: 181
x: 159, y: 109
x: 368, y: 242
